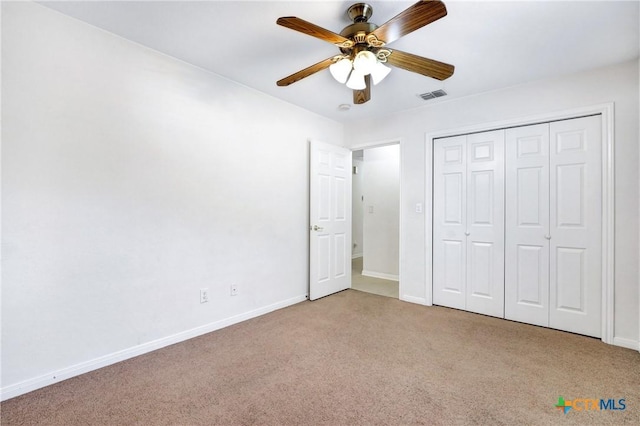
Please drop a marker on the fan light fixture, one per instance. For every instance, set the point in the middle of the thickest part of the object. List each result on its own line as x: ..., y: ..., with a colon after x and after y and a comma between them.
x: 352, y: 72
x: 363, y: 55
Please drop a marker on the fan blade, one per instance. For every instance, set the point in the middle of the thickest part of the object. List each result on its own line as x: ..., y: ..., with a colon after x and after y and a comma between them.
x: 416, y: 16
x: 306, y: 72
x: 424, y: 66
x: 362, y: 96
x: 313, y: 30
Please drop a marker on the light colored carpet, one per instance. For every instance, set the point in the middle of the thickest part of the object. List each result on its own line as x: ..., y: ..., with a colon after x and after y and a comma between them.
x: 377, y: 286
x: 352, y: 358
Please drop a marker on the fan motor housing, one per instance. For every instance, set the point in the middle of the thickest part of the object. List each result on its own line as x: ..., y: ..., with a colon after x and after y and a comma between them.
x: 353, y: 29
x: 359, y: 13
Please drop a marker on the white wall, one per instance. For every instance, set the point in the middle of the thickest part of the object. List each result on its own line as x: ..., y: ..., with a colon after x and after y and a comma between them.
x: 617, y: 84
x: 381, y: 226
x: 130, y: 180
x: 357, y: 204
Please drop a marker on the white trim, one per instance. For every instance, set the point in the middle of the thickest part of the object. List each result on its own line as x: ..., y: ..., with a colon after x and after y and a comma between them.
x: 608, y: 223
x: 608, y: 201
x: 413, y: 299
x: 401, y: 147
x: 21, y: 388
x: 381, y: 275
x: 626, y: 343
x: 428, y: 224
x: 376, y: 144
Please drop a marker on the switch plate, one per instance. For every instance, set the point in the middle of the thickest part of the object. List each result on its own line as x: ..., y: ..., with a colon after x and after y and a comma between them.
x: 370, y: 209
x: 204, y: 295
x: 418, y: 207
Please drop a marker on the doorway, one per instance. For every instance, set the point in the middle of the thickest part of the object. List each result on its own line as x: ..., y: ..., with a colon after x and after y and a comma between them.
x: 376, y: 220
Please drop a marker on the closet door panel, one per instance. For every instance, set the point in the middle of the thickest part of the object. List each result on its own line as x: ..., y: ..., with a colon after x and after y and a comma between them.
x: 485, y: 223
x: 480, y: 269
x: 575, y: 220
x: 527, y: 225
x: 449, y: 218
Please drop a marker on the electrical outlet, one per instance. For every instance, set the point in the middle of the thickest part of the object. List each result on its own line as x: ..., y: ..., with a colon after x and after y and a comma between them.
x: 204, y: 295
x: 234, y: 289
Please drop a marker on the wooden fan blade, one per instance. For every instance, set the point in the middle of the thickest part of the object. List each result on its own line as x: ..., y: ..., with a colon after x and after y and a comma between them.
x: 306, y: 72
x: 362, y: 96
x: 313, y: 30
x: 416, y: 16
x: 424, y: 66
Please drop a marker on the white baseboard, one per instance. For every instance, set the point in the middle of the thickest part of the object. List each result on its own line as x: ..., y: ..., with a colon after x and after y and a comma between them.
x: 381, y: 275
x: 356, y: 255
x: 626, y: 343
x: 413, y: 299
x: 29, y: 385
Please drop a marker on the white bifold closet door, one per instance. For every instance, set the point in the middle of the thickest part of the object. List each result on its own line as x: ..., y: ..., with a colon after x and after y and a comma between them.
x: 468, y: 223
x: 553, y: 225
x: 527, y: 225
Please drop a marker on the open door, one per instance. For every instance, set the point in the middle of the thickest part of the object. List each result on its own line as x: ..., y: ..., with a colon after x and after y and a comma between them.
x: 329, y: 219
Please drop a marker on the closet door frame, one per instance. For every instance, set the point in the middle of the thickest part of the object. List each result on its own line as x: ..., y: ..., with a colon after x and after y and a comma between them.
x: 606, y: 112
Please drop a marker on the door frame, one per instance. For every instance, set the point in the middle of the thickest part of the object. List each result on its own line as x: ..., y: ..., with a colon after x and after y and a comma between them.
x: 378, y: 144
x: 606, y: 111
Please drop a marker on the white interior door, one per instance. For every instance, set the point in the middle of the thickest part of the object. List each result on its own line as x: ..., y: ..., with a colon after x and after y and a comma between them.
x: 576, y: 226
x: 527, y: 225
x: 449, y: 222
x: 329, y: 219
x: 485, y: 223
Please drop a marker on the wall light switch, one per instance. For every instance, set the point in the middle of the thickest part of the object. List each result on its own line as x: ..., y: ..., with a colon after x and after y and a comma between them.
x: 418, y: 207
x: 370, y: 209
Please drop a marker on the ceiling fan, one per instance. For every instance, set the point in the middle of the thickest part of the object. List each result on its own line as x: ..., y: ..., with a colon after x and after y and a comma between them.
x: 363, y: 47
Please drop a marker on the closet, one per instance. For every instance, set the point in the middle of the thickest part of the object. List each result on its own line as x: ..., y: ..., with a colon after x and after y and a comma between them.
x: 517, y: 224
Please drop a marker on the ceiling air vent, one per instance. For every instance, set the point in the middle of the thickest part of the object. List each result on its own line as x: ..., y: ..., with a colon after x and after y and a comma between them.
x: 432, y: 95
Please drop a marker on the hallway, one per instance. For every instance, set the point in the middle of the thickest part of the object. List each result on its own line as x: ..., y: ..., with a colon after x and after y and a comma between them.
x: 377, y: 286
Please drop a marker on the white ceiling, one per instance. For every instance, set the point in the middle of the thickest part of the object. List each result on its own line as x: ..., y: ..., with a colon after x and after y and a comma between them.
x: 492, y: 44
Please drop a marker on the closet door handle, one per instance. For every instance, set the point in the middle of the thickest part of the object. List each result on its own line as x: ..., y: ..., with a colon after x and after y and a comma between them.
x: 467, y: 233
x: 548, y: 237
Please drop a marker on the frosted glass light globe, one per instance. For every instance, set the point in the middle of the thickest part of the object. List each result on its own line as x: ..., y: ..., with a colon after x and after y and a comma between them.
x: 379, y: 72
x: 340, y: 70
x: 356, y: 81
x: 364, y: 62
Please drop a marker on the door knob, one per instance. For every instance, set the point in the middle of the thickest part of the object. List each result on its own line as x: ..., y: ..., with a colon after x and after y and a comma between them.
x: 548, y: 237
x: 467, y: 233
x: 317, y: 228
